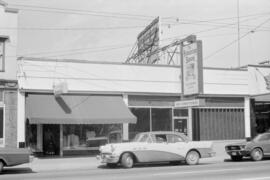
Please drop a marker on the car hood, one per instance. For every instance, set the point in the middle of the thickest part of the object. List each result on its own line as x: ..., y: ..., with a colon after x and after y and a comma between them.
x: 109, y: 148
x: 238, y: 144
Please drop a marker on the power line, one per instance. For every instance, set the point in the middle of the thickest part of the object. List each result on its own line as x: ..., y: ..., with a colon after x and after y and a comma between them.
x: 82, y: 12
x: 80, y: 49
x: 236, y: 40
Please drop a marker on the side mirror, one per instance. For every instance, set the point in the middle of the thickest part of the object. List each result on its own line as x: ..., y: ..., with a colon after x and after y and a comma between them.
x: 248, y: 139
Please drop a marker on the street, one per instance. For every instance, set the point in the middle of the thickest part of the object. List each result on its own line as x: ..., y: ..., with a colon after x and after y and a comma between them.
x: 243, y: 170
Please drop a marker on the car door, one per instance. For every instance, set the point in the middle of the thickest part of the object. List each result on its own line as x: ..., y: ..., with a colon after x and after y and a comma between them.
x: 177, y: 146
x: 164, y: 149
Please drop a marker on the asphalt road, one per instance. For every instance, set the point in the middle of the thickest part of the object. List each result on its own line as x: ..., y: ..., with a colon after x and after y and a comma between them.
x: 244, y: 170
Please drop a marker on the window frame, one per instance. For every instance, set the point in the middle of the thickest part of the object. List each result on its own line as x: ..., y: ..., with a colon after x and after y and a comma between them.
x: 2, y: 106
x: 3, y: 58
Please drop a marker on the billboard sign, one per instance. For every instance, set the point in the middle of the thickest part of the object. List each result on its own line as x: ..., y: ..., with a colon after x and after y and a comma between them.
x: 148, y: 42
x: 258, y: 79
x: 192, y: 69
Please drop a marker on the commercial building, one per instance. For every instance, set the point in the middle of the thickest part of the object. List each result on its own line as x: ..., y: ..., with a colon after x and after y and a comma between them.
x: 8, y: 77
x: 78, y: 104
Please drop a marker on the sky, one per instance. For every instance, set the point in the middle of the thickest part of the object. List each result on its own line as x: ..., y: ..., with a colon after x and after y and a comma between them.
x: 106, y: 30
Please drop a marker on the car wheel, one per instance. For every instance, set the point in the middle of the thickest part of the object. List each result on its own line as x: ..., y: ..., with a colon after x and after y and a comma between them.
x: 1, y: 166
x: 256, y: 154
x: 127, y: 160
x: 236, y: 158
x: 192, y: 158
x: 111, y: 165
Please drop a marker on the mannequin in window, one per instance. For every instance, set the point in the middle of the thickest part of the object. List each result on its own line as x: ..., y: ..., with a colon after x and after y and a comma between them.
x: 72, y: 139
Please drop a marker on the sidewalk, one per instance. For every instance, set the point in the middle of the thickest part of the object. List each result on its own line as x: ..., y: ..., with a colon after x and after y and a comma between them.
x: 83, y: 163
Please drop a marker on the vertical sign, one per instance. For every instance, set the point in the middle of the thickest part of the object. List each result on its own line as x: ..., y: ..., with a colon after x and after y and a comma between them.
x: 192, y: 69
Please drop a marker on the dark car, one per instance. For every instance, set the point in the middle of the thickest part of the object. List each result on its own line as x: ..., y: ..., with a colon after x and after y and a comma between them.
x: 257, y: 148
x: 13, y: 157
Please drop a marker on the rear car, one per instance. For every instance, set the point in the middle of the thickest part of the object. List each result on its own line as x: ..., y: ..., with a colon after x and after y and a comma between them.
x: 256, y: 149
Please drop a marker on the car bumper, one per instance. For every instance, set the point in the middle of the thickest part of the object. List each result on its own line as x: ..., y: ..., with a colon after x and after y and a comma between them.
x: 108, y: 158
x: 238, y: 153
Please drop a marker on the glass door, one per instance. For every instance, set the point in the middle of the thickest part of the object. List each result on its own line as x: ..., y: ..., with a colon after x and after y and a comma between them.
x: 180, y: 120
x: 180, y: 125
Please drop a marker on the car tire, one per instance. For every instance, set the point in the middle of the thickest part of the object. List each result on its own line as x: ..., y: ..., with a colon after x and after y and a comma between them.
x: 1, y: 166
x: 111, y: 165
x: 192, y: 158
x: 256, y: 154
x: 127, y: 160
x: 236, y: 158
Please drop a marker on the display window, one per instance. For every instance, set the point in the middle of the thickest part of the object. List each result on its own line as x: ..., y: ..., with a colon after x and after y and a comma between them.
x: 90, y: 136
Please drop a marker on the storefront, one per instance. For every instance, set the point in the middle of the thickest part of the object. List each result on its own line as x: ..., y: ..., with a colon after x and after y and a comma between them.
x: 144, y: 100
x: 74, y: 124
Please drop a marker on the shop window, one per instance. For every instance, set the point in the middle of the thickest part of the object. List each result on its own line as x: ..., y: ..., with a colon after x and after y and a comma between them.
x: 31, y: 135
x: 161, y: 119
x: 2, y: 54
x: 90, y: 137
x: 1, y: 126
x: 143, y: 121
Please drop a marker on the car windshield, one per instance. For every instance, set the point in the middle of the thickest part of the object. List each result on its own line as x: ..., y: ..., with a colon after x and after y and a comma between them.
x: 262, y: 137
x: 137, y: 138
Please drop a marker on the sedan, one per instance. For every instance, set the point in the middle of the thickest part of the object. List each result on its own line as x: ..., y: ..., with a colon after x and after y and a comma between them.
x: 159, y: 146
x: 257, y: 148
x: 13, y: 157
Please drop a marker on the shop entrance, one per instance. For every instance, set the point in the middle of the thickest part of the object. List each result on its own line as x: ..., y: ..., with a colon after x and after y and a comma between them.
x: 51, y: 139
x: 180, y: 125
x: 262, y: 117
x: 180, y: 120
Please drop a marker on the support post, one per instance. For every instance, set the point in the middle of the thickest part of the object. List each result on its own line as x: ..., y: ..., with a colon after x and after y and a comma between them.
x: 125, y: 125
x: 189, y: 128
x: 21, y: 118
x: 247, y: 118
x: 61, y: 140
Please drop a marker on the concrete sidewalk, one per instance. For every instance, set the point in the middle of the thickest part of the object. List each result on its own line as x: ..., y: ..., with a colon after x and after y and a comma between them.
x: 83, y: 163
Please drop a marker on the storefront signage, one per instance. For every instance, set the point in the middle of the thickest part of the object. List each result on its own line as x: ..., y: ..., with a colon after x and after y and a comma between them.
x: 189, y: 103
x: 192, y: 69
x: 259, y: 79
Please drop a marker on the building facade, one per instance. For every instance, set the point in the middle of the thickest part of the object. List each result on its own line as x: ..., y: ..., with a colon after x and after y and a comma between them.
x: 98, y: 100
x: 8, y: 77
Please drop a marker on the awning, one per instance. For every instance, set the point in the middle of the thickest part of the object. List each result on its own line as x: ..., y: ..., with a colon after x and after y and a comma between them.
x: 262, y: 97
x: 73, y: 109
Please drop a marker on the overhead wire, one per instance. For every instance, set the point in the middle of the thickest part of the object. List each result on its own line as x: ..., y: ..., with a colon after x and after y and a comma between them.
x: 236, y: 40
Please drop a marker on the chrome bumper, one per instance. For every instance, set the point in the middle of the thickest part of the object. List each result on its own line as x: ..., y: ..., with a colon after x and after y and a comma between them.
x: 107, y: 158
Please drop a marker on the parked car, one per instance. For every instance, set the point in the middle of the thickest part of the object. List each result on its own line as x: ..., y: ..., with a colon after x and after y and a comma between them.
x: 13, y: 157
x: 257, y: 148
x: 155, y: 147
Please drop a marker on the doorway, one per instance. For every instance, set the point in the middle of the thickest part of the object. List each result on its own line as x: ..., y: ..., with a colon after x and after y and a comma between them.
x: 51, y: 139
x: 180, y: 125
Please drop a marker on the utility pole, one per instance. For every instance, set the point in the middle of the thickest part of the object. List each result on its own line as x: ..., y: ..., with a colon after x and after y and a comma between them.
x: 238, y: 34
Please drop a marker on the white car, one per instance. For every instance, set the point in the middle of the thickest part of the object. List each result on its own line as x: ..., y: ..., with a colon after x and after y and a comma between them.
x: 156, y: 147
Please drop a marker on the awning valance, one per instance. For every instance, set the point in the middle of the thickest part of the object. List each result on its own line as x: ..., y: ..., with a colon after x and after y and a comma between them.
x: 75, y: 109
